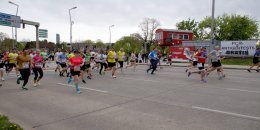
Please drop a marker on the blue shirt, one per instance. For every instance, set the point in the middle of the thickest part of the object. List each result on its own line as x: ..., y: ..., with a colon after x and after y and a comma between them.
x: 257, y: 53
x: 153, y: 55
x: 63, y: 58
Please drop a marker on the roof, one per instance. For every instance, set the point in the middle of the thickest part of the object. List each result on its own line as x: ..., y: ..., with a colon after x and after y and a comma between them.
x: 174, y: 30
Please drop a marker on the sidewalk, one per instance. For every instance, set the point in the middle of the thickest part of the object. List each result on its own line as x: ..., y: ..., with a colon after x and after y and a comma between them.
x: 238, y: 67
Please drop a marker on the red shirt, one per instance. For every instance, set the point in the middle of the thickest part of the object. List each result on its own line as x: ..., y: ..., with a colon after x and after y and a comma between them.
x: 76, y: 61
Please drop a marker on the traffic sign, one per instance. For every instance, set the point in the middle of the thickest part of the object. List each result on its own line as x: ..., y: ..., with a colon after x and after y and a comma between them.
x: 43, y: 33
x: 10, y: 20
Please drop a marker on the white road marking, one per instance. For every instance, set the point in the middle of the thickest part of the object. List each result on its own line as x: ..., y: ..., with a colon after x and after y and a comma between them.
x: 226, y: 113
x: 138, y: 79
x: 242, y: 90
x: 84, y: 88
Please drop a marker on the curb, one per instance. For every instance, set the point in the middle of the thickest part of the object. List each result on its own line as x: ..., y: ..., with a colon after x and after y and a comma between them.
x: 225, y: 67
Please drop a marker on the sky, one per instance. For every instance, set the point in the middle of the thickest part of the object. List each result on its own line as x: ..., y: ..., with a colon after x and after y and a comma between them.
x: 92, y: 18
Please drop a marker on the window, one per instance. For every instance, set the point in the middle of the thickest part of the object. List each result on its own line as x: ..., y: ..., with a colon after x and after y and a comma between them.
x: 170, y: 35
x: 186, y: 37
x: 180, y: 36
x: 158, y: 36
x: 183, y: 36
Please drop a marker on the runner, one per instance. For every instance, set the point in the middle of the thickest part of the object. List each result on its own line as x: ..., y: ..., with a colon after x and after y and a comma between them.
x: 12, y: 61
x: 132, y: 61
x: 87, y: 64
x: 2, y: 63
x: 37, y: 62
x: 62, y: 59
x: 255, y: 60
x: 75, y: 63
x: 201, y: 55
x: 44, y: 54
x: 6, y: 61
x: 111, y: 58
x: 24, y: 64
x: 103, y: 62
x: 56, y: 57
x: 121, y: 58
x: 216, y: 63
x: 153, y: 60
x: 194, y: 60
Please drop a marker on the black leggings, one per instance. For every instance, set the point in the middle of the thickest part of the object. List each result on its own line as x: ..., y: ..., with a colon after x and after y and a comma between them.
x: 101, y: 68
x: 36, y: 71
x: 25, y: 74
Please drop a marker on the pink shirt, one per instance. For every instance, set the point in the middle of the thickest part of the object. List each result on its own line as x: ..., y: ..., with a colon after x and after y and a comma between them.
x: 38, y: 61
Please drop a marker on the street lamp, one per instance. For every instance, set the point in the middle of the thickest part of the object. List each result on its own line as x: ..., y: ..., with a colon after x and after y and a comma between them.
x: 212, y: 24
x: 71, y: 22
x: 17, y: 7
x: 110, y: 32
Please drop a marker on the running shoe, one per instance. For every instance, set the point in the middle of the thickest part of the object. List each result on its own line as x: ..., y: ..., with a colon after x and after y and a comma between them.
x: 189, y: 73
x: 224, y: 76
x: 78, y: 92
x: 69, y: 80
x: 219, y: 78
x: 18, y: 81
x: 38, y: 83
x: 2, y: 79
x: 89, y: 77
x: 113, y: 76
x: 186, y: 70
x: 24, y: 88
x: 257, y: 70
x: 248, y: 70
x: 84, y: 81
x: 204, y: 81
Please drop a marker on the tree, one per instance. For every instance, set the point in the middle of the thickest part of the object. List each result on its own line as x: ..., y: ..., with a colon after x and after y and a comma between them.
x: 231, y: 27
x: 190, y: 25
x: 130, y: 44
x: 227, y: 27
x: 99, y: 44
x: 148, y: 26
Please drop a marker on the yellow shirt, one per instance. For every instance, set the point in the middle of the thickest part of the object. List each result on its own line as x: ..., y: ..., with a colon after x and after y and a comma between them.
x: 111, y: 56
x: 23, y: 62
x: 121, y: 56
x: 12, y: 57
x: 71, y: 55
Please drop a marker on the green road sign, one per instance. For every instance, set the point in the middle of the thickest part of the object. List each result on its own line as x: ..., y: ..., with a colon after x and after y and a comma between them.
x: 43, y: 33
x: 10, y: 20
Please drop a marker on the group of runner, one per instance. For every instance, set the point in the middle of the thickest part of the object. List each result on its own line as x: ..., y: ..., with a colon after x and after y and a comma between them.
x: 77, y: 65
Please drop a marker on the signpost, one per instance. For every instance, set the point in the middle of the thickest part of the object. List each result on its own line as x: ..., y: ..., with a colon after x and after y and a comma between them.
x: 43, y: 33
x: 10, y: 20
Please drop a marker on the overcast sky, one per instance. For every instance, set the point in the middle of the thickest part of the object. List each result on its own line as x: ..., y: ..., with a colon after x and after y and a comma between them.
x: 93, y: 17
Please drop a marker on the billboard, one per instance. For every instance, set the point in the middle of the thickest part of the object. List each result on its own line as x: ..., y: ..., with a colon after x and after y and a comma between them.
x: 238, y: 48
x: 10, y: 20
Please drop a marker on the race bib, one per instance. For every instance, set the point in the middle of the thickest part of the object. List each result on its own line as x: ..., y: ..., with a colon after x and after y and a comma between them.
x: 76, y: 68
x: 63, y: 60
x: 26, y: 65
x: 38, y: 65
x: 199, y: 65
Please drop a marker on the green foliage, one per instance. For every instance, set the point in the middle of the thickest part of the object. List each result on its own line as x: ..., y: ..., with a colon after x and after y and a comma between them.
x: 237, y: 61
x: 5, y: 124
x: 189, y: 24
x: 227, y: 27
x: 130, y: 44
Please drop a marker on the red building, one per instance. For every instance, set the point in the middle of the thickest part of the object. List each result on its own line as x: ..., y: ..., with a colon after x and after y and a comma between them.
x: 171, y: 37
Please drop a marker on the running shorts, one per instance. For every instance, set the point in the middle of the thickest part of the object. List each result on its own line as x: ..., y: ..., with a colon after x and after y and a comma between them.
x: 121, y: 63
x: 111, y: 64
x: 12, y: 65
x: 255, y: 60
x: 73, y: 73
x: 63, y: 65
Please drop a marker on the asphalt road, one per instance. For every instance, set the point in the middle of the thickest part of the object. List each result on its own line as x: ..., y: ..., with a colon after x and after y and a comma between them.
x: 168, y: 100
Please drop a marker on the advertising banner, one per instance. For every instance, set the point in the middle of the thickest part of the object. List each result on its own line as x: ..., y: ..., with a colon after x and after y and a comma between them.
x: 238, y: 48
